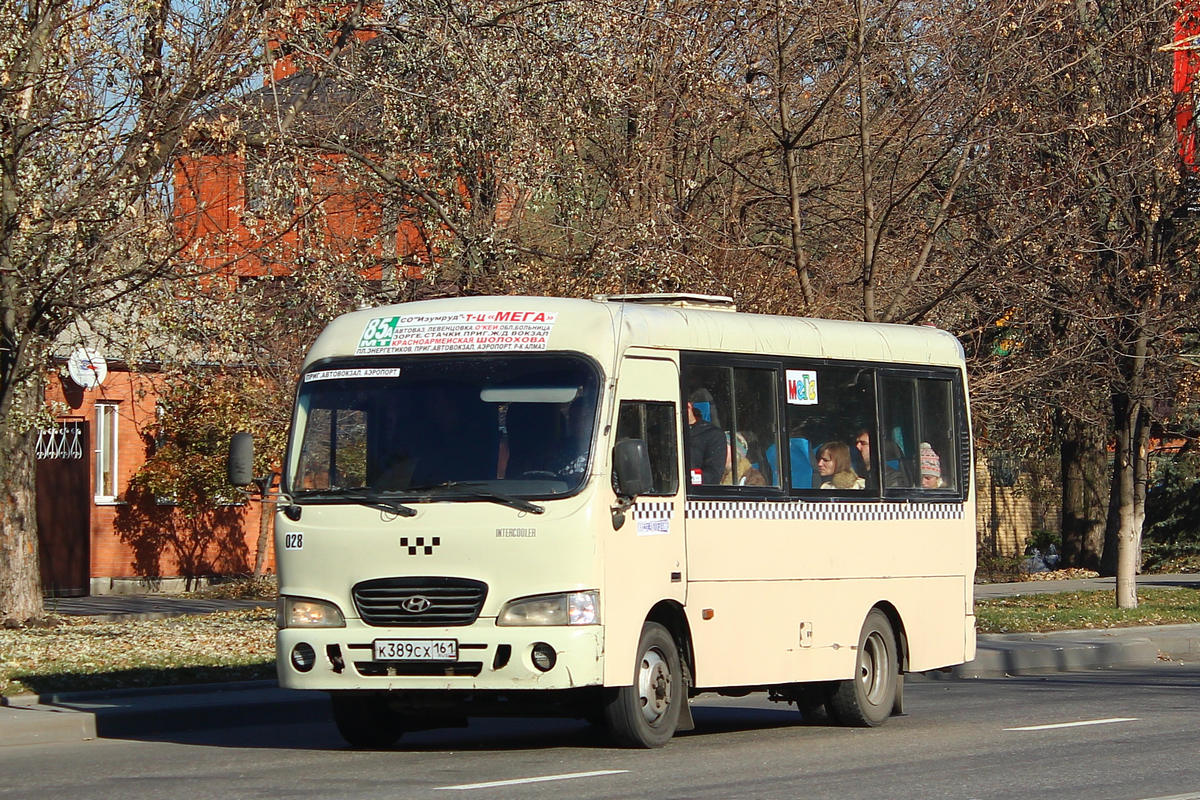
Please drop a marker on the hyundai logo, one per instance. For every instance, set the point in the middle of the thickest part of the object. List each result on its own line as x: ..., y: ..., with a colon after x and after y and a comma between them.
x: 416, y: 604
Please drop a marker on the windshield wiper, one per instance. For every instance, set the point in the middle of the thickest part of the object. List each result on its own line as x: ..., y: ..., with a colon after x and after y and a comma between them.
x: 477, y: 491
x: 362, y: 499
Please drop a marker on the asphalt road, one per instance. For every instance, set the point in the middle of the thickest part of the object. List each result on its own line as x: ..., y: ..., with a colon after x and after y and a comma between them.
x: 962, y: 739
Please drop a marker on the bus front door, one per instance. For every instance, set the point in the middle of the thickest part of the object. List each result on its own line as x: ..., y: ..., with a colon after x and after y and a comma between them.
x: 644, y: 558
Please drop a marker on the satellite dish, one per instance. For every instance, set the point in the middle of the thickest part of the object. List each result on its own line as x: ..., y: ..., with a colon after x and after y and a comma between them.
x: 87, y: 368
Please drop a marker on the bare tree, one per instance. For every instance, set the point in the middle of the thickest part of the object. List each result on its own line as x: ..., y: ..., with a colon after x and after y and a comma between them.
x: 1109, y: 288
x: 884, y: 160
x: 94, y: 100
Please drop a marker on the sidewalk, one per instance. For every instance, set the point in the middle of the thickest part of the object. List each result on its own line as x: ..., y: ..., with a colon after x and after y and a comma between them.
x: 987, y: 590
x: 33, y: 719
x: 113, y: 607
x: 998, y: 655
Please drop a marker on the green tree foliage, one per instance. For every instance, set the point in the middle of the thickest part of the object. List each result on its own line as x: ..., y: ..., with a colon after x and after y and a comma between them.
x: 191, y: 441
x: 1172, y: 532
x: 1173, y: 510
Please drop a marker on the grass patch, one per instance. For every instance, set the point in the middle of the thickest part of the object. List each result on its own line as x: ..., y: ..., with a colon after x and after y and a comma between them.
x: 78, y: 654
x: 1064, y: 611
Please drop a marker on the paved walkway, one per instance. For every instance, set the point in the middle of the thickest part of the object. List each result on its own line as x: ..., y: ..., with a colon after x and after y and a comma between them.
x: 984, y: 590
x: 146, y: 606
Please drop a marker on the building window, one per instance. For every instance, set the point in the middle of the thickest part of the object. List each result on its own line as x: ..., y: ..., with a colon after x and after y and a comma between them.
x: 270, y: 184
x: 106, y: 452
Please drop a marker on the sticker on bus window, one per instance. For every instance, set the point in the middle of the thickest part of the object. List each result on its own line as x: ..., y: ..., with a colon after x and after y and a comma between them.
x: 457, y: 332
x: 332, y: 374
x: 802, y: 387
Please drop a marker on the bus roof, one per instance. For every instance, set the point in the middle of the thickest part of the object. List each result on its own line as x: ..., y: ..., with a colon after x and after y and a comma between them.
x: 605, y: 327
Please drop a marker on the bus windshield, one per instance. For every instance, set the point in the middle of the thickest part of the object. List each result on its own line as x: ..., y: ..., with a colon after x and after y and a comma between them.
x: 412, y: 429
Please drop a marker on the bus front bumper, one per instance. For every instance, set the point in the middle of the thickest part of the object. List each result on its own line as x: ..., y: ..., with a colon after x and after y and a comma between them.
x: 488, y: 657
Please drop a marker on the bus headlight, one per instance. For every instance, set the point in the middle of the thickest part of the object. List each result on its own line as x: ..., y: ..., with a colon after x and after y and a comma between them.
x: 568, y: 608
x: 302, y: 612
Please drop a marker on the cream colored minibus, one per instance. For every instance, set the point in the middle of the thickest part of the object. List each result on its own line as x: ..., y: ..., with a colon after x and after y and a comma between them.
x: 603, y: 508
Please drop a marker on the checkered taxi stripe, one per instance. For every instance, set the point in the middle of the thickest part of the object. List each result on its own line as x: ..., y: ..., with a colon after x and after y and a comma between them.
x: 836, y: 512
x: 839, y: 512
x: 653, y: 509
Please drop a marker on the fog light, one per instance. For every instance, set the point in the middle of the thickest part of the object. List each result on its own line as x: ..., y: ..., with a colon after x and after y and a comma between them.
x: 303, y: 657
x: 544, y: 656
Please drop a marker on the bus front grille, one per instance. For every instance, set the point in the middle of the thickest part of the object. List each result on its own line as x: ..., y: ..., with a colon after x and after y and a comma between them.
x: 419, y: 602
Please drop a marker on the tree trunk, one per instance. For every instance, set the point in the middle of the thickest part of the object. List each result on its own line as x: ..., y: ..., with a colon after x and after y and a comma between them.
x: 265, y: 516
x: 1141, y: 482
x: 799, y: 256
x: 1123, y: 530
x: 1084, y: 491
x: 20, y: 580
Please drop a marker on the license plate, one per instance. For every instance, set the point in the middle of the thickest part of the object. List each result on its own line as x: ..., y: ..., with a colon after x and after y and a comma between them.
x: 416, y: 649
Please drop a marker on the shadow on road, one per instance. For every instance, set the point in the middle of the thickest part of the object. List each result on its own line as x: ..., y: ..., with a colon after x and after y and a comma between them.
x: 308, y: 726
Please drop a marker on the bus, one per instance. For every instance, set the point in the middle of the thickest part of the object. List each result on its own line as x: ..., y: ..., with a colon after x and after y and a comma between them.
x: 604, y: 508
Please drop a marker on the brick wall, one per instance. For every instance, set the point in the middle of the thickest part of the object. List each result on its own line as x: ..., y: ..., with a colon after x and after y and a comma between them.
x: 1006, y: 516
x: 140, y: 539
x: 210, y: 217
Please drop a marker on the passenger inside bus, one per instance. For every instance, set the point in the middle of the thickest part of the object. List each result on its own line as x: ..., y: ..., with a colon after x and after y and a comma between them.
x: 546, y: 441
x: 893, y: 472
x: 705, y: 444
x: 931, y: 468
x: 533, y: 434
x: 739, y: 470
x: 833, y: 467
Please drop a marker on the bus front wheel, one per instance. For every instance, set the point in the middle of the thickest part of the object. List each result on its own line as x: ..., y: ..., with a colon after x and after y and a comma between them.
x: 364, y: 719
x: 867, y: 699
x: 647, y: 713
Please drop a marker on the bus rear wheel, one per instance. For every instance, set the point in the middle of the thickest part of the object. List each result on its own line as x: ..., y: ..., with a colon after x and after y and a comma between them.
x: 867, y: 699
x: 364, y: 719
x: 646, y: 714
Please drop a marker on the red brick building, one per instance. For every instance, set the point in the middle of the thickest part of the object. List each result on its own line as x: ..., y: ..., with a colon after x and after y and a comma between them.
x: 96, y: 536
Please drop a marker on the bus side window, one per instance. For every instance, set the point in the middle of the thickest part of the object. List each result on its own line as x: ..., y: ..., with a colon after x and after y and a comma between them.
x: 654, y: 423
x: 918, y: 417
x: 939, y: 456
x: 754, y: 397
x: 832, y: 407
x: 735, y: 436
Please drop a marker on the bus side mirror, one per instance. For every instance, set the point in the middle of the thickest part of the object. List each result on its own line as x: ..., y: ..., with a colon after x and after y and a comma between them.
x: 631, y: 466
x: 240, y: 466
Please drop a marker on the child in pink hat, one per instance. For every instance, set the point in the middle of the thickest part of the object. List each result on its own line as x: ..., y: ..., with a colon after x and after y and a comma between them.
x: 931, y: 468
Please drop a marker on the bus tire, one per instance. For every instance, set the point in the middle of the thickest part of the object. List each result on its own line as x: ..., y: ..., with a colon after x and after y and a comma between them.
x: 867, y: 699
x: 364, y: 719
x: 812, y: 701
x: 646, y: 714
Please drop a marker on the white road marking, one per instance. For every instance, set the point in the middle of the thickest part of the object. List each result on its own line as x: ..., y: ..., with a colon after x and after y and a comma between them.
x: 1188, y: 796
x: 1079, y: 724
x: 543, y: 779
